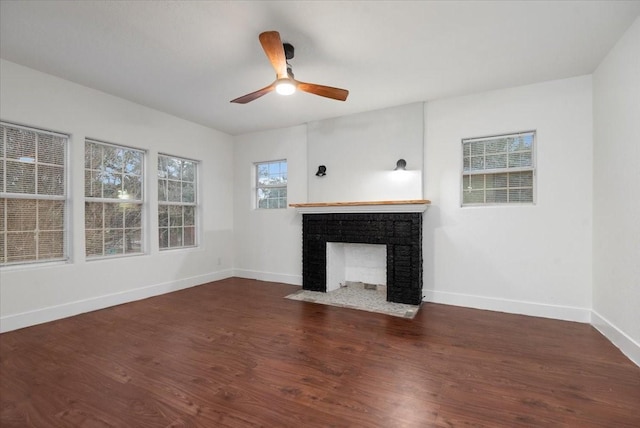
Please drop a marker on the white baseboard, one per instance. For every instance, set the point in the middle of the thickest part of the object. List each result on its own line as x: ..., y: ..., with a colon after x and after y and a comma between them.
x: 620, y: 339
x: 51, y: 313
x: 268, y: 276
x: 566, y: 313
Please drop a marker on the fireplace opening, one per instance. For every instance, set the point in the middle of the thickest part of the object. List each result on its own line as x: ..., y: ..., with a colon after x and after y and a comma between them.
x: 356, y: 263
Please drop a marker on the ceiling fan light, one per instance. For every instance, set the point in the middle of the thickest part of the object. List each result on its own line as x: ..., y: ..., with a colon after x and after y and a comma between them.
x: 285, y: 87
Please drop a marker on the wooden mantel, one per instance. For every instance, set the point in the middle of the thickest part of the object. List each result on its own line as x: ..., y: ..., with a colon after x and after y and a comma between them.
x: 405, y: 206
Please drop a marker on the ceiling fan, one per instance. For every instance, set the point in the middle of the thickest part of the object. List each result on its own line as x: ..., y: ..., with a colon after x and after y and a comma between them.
x: 285, y: 84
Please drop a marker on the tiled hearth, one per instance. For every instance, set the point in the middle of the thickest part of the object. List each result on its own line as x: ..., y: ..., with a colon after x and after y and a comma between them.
x: 357, y: 296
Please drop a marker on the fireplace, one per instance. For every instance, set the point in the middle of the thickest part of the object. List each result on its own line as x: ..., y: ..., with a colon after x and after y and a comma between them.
x: 396, y: 225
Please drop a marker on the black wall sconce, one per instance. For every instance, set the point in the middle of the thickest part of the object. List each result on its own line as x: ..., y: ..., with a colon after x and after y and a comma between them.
x: 401, y: 165
x: 322, y: 171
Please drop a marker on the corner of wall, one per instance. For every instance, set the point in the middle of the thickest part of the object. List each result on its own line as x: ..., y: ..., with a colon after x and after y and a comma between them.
x: 619, y: 338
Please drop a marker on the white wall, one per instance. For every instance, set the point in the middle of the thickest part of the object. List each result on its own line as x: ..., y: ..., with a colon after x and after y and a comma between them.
x: 533, y: 259
x: 29, y: 295
x: 268, y: 242
x: 360, y: 152
x: 616, y: 204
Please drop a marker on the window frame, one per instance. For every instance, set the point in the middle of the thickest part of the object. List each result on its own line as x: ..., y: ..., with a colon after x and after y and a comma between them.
x: 37, y: 197
x: 259, y: 186
x: 500, y: 170
x: 117, y: 200
x: 195, y: 204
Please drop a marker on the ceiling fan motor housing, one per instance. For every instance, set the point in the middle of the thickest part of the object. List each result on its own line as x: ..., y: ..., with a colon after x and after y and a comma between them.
x: 288, y: 50
x: 288, y: 54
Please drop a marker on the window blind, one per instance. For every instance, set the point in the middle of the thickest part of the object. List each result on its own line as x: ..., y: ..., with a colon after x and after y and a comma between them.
x: 32, y: 195
x: 499, y: 169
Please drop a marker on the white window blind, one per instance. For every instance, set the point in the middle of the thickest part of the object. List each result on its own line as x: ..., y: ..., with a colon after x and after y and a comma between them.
x: 271, y: 184
x: 33, y: 201
x: 177, y: 202
x: 498, y: 170
x: 113, y: 185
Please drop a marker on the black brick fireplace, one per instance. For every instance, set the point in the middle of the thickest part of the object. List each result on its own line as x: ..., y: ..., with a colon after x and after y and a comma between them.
x: 400, y: 232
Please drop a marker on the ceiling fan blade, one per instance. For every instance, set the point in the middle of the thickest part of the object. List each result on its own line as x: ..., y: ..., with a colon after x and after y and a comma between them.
x: 323, y: 91
x: 272, y: 45
x: 254, y: 95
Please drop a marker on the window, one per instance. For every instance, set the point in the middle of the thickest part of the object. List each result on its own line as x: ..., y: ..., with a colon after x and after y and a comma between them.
x: 271, y: 184
x: 498, y: 170
x: 113, y: 183
x: 33, y: 202
x: 177, y: 202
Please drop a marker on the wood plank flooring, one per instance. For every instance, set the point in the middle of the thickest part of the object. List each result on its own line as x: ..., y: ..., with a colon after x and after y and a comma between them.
x: 236, y: 353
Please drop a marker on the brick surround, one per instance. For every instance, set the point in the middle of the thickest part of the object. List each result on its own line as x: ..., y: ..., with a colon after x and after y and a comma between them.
x: 400, y: 232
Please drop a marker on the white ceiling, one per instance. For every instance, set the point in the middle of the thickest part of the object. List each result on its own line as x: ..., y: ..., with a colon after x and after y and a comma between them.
x: 190, y: 58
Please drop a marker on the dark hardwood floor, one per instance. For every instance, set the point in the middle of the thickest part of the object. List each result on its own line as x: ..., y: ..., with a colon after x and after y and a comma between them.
x: 236, y: 353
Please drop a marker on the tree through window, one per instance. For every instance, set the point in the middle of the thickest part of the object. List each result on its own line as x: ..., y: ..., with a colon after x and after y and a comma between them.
x: 271, y: 184
x: 113, y: 183
x: 177, y: 202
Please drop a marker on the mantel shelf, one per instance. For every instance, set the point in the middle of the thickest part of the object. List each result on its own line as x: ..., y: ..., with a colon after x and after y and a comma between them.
x: 405, y: 206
